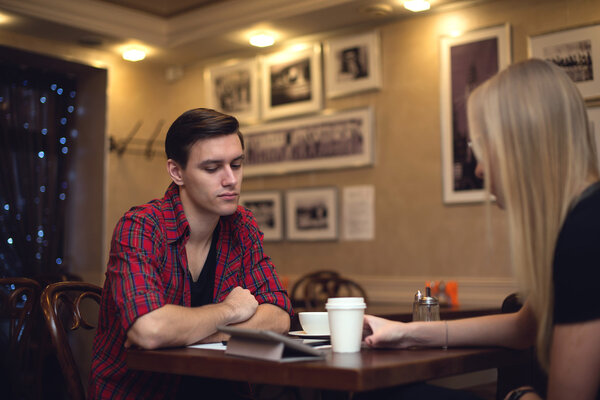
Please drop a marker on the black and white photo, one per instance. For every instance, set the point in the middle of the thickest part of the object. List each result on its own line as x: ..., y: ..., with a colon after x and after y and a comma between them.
x: 352, y: 64
x: 576, y: 51
x: 266, y: 206
x: 338, y: 140
x: 291, y: 82
x: 311, y: 214
x: 232, y: 88
x: 467, y: 61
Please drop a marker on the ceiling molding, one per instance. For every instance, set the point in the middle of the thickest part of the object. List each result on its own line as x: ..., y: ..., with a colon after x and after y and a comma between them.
x: 104, y: 18
x: 117, y: 21
x: 225, y: 17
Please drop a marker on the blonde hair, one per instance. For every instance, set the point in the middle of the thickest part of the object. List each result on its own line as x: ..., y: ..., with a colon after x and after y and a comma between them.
x: 529, y: 124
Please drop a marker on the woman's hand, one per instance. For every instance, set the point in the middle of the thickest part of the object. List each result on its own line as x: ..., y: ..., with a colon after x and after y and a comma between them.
x: 384, y: 333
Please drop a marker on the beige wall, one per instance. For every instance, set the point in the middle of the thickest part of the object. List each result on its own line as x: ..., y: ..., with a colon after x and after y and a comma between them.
x: 417, y: 236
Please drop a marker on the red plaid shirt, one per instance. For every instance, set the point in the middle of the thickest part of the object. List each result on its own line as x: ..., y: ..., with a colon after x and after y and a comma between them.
x: 147, y: 269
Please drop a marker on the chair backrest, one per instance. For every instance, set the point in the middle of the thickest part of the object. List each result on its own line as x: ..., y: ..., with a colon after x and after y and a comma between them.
x: 312, y: 290
x: 19, y: 319
x: 62, y: 306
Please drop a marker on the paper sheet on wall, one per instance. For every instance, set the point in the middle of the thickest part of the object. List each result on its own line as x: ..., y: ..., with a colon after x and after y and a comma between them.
x: 358, y: 212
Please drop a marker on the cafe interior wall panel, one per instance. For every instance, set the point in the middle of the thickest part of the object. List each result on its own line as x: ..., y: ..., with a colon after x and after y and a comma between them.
x: 417, y: 237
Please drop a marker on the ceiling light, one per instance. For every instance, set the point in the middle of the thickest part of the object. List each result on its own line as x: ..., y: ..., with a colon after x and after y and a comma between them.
x: 417, y: 5
x: 263, y: 39
x: 4, y: 19
x: 134, y: 54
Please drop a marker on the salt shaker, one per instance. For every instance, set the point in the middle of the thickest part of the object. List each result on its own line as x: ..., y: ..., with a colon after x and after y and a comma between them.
x: 415, y: 308
x: 428, y: 308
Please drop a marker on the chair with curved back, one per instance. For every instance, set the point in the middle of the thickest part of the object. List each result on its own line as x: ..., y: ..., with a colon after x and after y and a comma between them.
x: 311, y: 291
x: 19, y: 321
x: 64, y: 307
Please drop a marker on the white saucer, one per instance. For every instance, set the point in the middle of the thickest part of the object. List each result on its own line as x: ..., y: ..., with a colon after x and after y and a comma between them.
x: 308, y: 336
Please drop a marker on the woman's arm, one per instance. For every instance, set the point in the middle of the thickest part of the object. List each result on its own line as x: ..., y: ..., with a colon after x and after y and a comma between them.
x: 575, y: 361
x: 515, y: 330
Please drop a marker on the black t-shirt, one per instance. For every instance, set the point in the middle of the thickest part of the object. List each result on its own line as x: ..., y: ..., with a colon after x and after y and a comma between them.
x: 202, y: 289
x: 577, y: 262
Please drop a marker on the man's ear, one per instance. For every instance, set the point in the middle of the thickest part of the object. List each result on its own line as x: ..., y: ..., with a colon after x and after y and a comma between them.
x: 175, y: 171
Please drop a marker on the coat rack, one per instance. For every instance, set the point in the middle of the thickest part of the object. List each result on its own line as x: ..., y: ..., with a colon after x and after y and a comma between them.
x: 137, y: 146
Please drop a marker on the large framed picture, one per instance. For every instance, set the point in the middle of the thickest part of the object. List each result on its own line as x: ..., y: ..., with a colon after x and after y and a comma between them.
x: 340, y: 140
x: 311, y: 214
x: 232, y: 88
x: 466, y: 62
x: 594, y: 117
x: 352, y: 64
x: 292, y: 82
x: 266, y: 206
x: 576, y: 51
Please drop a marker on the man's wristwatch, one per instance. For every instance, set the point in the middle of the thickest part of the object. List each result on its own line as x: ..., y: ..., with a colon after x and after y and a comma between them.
x: 518, y: 393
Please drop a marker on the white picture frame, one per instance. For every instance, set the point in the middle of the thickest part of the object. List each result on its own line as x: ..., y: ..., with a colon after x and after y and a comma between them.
x: 343, y: 139
x: 594, y: 117
x: 352, y: 64
x: 311, y: 214
x: 291, y: 82
x: 232, y: 88
x: 576, y: 51
x: 466, y: 61
x: 267, y: 208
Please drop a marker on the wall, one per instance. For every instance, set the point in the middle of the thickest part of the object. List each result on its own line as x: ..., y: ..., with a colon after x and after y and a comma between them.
x: 417, y: 236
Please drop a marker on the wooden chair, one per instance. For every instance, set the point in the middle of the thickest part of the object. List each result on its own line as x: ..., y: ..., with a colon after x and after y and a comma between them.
x: 310, y: 292
x: 20, y: 320
x: 62, y: 305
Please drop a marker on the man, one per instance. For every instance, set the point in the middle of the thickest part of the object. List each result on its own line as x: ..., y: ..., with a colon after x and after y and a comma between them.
x: 182, y: 265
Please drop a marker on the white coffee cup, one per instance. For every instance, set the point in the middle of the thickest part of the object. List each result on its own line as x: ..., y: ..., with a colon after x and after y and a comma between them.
x: 314, y: 323
x: 345, y: 323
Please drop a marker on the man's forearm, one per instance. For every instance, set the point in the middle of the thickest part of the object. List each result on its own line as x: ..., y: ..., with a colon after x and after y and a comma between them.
x: 267, y: 316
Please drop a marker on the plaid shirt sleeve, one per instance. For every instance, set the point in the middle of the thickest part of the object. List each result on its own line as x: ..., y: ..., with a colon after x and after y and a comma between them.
x: 133, y: 267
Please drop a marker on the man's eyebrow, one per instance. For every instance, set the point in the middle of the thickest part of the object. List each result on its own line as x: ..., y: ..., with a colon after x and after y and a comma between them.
x: 221, y: 161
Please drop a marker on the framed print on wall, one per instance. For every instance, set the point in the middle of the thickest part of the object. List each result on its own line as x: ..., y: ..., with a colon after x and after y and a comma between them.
x: 466, y: 61
x: 266, y: 206
x: 311, y: 214
x: 594, y: 117
x: 232, y: 88
x: 576, y: 51
x: 352, y: 64
x: 292, y: 82
x: 340, y: 140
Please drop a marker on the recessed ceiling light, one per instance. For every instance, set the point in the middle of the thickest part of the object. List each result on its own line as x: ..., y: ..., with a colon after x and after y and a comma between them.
x: 262, y: 39
x: 4, y: 18
x: 417, y: 5
x: 134, y: 54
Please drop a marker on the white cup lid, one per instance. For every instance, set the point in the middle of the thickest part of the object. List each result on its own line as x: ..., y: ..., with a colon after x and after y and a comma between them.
x: 345, y: 300
x: 355, y: 306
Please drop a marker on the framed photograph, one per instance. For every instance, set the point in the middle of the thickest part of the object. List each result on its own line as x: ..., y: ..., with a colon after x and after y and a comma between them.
x: 577, y: 51
x: 352, y: 64
x: 594, y: 116
x: 232, y: 88
x: 311, y: 214
x: 339, y: 140
x: 266, y: 206
x: 292, y: 83
x: 466, y: 62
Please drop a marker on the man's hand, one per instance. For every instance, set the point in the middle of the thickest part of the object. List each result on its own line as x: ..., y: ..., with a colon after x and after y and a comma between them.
x: 242, y: 303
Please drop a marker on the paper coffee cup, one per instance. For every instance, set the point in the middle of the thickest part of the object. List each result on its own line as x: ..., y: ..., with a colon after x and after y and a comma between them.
x: 345, y: 323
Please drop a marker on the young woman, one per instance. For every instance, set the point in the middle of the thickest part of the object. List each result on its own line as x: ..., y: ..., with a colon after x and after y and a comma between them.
x: 531, y: 135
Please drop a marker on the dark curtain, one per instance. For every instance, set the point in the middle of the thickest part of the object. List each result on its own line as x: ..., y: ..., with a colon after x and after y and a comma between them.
x: 37, y: 142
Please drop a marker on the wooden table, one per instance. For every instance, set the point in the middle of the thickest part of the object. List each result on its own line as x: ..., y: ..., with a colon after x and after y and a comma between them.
x: 367, y: 370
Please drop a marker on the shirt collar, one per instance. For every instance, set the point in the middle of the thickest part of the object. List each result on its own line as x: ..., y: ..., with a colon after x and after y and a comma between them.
x: 176, y: 223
